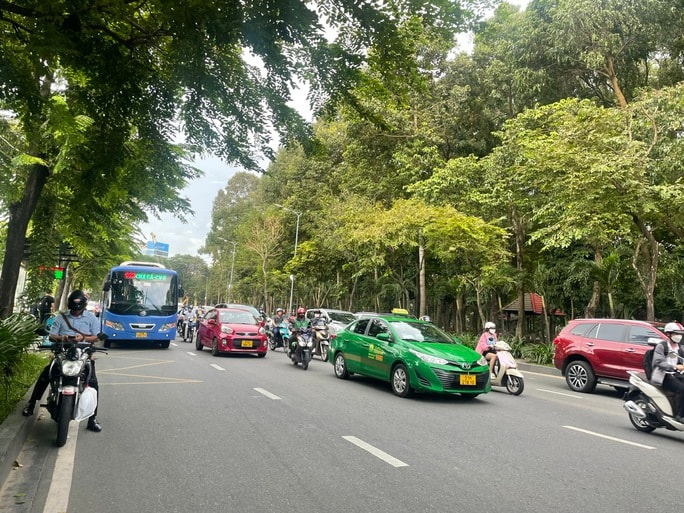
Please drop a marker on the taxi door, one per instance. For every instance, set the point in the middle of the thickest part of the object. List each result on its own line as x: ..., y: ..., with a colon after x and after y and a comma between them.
x: 377, y: 356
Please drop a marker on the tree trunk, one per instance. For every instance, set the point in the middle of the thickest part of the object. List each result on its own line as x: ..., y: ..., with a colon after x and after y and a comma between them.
x: 547, y: 330
x: 519, y: 230
x: 610, y: 69
x: 422, y: 306
x: 458, y: 323
x: 19, y: 216
x: 590, y: 311
x: 648, y: 270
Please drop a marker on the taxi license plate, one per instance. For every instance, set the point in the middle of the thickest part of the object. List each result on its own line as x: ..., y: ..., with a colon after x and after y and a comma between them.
x: 141, y: 334
x: 246, y: 343
x: 467, y: 379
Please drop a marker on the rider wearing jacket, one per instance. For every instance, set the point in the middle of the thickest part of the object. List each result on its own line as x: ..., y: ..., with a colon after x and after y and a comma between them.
x: 299, y: 323
x: 485, y: 346
x: 666, y: 366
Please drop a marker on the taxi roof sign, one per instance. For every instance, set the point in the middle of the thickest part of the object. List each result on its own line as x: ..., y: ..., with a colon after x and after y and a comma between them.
x: 400, y: 311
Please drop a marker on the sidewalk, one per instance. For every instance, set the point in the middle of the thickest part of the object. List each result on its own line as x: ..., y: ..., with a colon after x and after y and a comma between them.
x: 13, y: 433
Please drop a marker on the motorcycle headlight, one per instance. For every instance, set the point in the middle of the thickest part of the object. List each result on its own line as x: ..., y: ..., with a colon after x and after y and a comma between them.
x: 429, y: 358
x: 71, y: 368
x: 226, y: 329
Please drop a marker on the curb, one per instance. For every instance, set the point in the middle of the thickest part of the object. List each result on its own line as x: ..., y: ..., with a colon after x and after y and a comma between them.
x: 539, y: 369
x: 13, y: 433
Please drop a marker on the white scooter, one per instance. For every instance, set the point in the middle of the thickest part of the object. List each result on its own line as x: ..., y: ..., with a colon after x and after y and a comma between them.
x: 506, y: 373
x: 648, y: 406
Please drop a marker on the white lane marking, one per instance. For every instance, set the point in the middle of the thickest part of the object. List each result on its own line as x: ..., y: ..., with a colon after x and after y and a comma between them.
x: 375, y: 452
x: 592, y: 433
x: 267, y: 394
x: 560, y: 393
x: 60, y: 485
x: 191, y: 353
x: 217, y: 367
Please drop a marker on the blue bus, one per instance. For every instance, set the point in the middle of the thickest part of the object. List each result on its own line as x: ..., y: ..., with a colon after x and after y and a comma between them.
x: 140, y: 304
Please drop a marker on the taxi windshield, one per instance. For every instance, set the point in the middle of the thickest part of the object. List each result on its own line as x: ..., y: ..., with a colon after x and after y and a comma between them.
x: 420, y: 332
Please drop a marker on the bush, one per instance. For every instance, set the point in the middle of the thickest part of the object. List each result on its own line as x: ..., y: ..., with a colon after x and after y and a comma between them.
x: 541, y: 354
x: 467, y: 339
x: 17, y: 366
x: 26, y: 371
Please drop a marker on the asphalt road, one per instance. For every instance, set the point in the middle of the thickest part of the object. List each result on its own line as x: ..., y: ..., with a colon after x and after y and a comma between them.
x: 188, y: 432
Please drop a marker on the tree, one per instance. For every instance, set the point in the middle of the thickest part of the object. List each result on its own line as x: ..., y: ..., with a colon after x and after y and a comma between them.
x: 100, y: 89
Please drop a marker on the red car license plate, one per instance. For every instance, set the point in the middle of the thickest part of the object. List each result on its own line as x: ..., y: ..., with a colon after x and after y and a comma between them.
x: 246, y: 343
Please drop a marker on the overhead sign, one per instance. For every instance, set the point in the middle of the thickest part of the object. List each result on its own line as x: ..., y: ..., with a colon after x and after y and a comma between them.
x: 158, y: 249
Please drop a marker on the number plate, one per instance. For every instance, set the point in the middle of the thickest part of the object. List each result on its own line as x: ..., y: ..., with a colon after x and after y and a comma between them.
x: 467, y: 379
x: 141, y: 334
x: 246, y: 343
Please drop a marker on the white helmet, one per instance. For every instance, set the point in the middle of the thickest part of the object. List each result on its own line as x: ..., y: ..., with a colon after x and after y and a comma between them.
x: 489, y: 325
x: 671, y: 327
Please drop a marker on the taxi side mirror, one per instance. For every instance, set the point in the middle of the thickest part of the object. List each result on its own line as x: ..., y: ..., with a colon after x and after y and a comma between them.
x: 385, y: 337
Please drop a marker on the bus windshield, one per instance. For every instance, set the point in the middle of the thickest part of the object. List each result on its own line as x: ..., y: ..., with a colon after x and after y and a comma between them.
x: 148, y: 292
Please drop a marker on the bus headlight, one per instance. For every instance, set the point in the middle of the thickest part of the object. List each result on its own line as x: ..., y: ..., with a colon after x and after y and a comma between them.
x: 168, y: 326
x: 114, y: 325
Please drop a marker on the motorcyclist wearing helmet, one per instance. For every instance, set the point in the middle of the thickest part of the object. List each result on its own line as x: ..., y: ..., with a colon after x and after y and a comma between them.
x: 76, y: 325
x: 278, y: 319
x: 299, y: 323
x: 668, y: 367
x: 318, y: 319
x: 485, y: 346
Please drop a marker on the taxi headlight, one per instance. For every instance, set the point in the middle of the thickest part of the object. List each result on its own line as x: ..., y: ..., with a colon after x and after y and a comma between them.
x: 428, y: 358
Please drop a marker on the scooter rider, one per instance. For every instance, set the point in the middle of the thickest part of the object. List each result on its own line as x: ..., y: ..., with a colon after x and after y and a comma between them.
x: 276, y: 320
x: 485, y: 346
x: 667, y: 367
x: 299, y: 323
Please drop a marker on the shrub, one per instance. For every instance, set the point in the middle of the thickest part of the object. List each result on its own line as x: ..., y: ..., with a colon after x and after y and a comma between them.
x: 17, y: 334
x: 541, y: 354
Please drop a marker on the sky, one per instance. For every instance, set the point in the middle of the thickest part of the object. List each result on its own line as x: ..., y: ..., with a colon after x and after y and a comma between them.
x: 187, y: 238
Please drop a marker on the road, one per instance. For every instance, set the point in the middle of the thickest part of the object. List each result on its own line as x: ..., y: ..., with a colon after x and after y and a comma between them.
x: 188, y: 432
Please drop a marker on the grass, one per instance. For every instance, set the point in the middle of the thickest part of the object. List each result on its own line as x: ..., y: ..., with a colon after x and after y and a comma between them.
x: 15, y: 385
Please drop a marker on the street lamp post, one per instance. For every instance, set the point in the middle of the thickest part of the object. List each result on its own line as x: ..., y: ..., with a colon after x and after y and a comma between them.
x: 232, y: 266
x: 292, y: 277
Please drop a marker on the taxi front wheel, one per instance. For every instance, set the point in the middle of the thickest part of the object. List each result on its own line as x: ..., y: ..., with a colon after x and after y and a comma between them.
x: 400, y: 381
x: 341, y: 366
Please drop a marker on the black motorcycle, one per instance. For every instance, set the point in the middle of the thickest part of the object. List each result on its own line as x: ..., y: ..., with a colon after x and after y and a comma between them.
x: 69, y: 374
x: 301, y: 349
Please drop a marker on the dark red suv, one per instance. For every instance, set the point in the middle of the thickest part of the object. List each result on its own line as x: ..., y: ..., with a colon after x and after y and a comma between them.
x: 591, y: 351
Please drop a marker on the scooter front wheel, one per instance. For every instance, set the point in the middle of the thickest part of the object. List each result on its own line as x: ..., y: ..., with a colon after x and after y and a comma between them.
x: 514, y: 384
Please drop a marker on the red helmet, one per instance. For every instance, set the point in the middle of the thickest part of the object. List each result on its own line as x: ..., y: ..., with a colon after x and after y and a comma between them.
x: 301, y: 310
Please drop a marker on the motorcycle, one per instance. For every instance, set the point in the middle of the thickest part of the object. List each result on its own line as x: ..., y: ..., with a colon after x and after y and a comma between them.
x: 69, y: 375
x: 321, y: 340
x: 649, y: 407
x: 278, y: 335
x: 506, y: 373
x: 190, y: 327
x: 301, y: 348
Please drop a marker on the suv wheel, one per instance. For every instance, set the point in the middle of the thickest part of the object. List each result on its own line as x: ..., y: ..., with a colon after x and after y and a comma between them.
x: 580, y: 376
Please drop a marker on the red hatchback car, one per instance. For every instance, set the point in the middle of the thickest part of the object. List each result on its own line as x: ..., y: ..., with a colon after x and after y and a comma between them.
x: 591, y: 351
x: 231, y: 330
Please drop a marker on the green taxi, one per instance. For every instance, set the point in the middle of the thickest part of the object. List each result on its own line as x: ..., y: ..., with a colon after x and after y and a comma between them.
x: 413, y: 355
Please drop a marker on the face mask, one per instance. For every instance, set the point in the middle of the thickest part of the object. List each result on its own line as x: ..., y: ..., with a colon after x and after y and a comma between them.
x: 676, y: 338
x: 492, y: 331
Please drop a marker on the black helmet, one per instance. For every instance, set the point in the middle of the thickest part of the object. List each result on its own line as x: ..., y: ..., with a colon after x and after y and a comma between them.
x: 77, y: 300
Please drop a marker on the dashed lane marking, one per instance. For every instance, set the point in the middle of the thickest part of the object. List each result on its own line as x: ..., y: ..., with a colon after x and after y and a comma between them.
x: 606, y: 437
x: 267, y: 394
x: 217, y: 367
x: 375, y: 451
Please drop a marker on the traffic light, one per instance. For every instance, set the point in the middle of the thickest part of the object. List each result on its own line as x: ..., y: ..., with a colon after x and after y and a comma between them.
x: 59, y: 272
